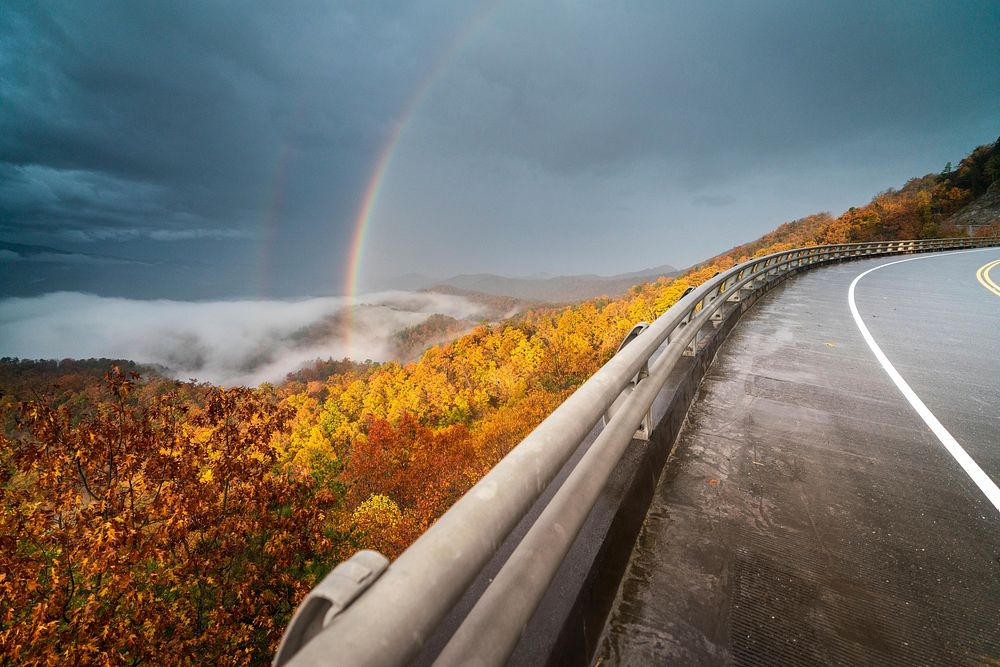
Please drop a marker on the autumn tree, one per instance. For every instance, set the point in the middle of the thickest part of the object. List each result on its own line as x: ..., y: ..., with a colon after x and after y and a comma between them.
x: 151, y: 533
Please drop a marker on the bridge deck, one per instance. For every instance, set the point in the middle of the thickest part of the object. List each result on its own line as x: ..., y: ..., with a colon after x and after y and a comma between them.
x: 807, y: 514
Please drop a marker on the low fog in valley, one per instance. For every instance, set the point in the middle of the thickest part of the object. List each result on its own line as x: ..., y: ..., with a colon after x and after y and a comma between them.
x: 225, y: 342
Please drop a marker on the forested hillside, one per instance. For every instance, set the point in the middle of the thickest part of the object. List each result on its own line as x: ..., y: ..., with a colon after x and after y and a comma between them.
x: 145, y: 520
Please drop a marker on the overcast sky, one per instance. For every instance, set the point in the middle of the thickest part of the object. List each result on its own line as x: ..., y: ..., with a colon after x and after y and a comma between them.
x: 224, y: 149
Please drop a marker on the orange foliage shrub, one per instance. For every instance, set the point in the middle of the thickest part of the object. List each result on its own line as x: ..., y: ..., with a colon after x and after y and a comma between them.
x: 144, y: 534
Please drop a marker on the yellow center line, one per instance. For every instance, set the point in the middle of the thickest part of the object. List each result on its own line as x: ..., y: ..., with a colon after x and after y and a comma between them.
x: 983, y: 275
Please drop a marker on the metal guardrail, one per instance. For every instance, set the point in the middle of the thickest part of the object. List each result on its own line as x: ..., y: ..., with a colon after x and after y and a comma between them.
x: 366, y: 614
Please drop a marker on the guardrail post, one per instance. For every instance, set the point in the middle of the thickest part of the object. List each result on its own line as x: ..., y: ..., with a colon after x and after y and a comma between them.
x: 642, y: 432
x: 692, y: 347
x: 717, y: 315
x: 736, y: 297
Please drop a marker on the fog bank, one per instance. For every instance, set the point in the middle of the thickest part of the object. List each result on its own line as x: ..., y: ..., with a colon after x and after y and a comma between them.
x: 224, y: 342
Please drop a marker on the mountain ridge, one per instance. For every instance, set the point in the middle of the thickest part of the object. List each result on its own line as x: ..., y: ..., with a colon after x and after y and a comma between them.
x: 548, y: 289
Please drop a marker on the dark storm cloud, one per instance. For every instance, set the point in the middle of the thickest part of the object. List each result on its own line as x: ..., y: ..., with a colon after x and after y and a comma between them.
x: 584, y: 87
x: 195, y: 120
x: 623, y: 134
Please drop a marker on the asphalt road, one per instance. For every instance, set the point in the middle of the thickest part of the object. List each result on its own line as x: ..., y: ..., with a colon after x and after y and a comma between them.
x: 940, y: 328
x: 809, y: 514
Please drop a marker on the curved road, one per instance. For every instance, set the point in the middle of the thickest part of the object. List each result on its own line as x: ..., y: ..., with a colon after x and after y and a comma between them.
x: 944, y: 341
x: 809, y: 513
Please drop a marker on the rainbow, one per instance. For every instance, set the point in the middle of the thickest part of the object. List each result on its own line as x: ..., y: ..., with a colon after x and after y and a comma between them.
x: 370, y: 199
x: 269, y: 222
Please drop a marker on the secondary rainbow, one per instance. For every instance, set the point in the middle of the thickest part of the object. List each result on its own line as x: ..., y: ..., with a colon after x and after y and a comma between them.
x: 269, y: 222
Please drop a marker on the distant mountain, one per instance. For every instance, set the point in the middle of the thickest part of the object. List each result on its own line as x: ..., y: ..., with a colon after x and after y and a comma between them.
x: 555, y: 289
x: 410, y: 343
x: 410, y: 282
x: 497, y: 306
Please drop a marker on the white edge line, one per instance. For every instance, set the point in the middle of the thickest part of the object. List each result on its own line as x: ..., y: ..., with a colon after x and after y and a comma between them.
x: 971, y: 468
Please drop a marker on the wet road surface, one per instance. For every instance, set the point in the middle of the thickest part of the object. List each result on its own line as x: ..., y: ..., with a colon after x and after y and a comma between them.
x: 808, y: 515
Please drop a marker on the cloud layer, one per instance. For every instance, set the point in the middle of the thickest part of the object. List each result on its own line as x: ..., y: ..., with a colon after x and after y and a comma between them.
x: 225, y: 342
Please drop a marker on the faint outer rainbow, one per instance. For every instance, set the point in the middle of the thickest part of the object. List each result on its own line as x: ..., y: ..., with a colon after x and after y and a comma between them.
x: 272, y: 212
x: 372, y: 191
x: 275, y: 202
